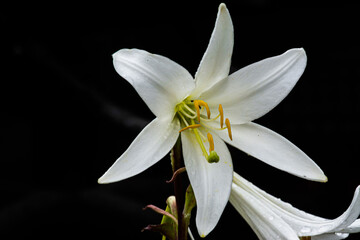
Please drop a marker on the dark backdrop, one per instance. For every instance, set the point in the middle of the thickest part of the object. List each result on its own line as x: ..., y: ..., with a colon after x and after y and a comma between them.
x: 66, y: 115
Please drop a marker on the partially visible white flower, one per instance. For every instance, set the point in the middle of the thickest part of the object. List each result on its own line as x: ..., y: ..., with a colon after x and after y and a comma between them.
x: 271, y: 218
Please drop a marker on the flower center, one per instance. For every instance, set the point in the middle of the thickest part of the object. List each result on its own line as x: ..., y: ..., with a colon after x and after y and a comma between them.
x: 191, y: 117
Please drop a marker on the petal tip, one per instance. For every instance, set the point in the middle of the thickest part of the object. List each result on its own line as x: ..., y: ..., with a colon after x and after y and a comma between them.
x: 222, y: 7
x: 301, y: 52
x: 101, y: 180
x: 322, y: 178
x: 108, y: 178
x: 325, y: 179
x: 203, y: 230
x: 115, y: 54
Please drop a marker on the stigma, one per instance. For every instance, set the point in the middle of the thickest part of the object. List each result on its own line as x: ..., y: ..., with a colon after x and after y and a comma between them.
x: 190, y: 115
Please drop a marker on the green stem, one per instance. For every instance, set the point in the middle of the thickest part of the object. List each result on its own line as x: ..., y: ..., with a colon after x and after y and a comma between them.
x: 177, y: 162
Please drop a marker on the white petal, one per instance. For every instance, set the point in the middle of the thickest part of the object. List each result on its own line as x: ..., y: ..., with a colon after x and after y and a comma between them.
x: 215, y: 64
x: 347, y: 218
x: 273, y: 149
x: 330, y: 236
x: 304, y: 224
x: 160, y: 82
x: 353, y: 228
x: 265, y: 223
x: 151, y: 145
x: 254, y: 90
x: 211, y: 182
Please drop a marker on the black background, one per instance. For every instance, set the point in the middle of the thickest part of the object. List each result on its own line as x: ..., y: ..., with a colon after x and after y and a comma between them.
x: 66, y: 115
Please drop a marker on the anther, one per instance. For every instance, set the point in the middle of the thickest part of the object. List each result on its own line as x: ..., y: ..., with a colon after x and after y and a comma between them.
x: 221, y: 111
x: 198, y: 103
x: 190, y: 126
x: 227, y: 123
x: 211, y: 142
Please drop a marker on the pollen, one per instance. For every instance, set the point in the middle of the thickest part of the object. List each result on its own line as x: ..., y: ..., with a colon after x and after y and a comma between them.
x: 190, y: 126
x: 228, y: 126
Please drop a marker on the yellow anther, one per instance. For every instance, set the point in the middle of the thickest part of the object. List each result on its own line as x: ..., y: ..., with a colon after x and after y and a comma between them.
x: 190, y: 126
x: 211, y: 142
x: 221, y: 111
x: 202, y: 103
x: 227, y: 123
x: 197, y: 104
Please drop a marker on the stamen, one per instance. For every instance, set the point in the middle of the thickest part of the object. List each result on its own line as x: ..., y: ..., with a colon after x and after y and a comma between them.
x: 196, y: 104
x: 211, y: 127
x: 202, y: 136
x: 198, y: 139
x: 202, y: 103
x: 221, y: 111
x: 190, y: 126
x: 184, y: 120
x: 188, y: 108
x: 190, y: 112
x: 227, y: 123
x: 211, y: 142
x: 211, y: 119
x: 186, y: 114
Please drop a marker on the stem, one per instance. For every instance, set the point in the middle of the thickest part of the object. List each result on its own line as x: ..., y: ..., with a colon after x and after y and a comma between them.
x: 177, y: 163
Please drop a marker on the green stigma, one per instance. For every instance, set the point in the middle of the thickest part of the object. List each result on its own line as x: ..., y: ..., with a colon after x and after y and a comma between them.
x: 213, y: 157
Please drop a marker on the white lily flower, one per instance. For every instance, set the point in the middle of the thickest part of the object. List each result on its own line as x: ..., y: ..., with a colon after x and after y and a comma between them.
x: 178, y: 101
x: 271, y: 218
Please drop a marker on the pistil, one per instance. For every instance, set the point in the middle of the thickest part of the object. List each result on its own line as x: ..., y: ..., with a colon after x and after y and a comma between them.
x: 198, y: 139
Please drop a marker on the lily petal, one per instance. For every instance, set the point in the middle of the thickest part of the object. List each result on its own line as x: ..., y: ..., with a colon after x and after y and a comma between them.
x: 254, y: 90
x: 151, y: 145
x: 353, y: 228
x: 159, y: 81
x: 211, y: 182
x: 302, y: 223
x: 265, y: 223
x: 330, y: 236
x: 273, y: 149
x: 215, y: 64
